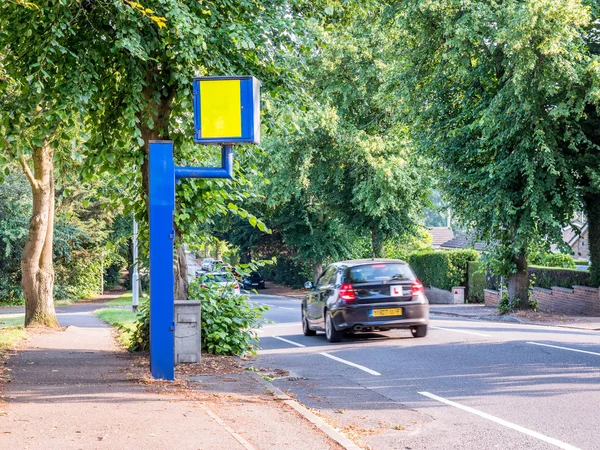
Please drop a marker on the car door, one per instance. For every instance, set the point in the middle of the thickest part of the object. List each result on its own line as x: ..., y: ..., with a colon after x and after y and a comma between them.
x: 312, y: 302
x: 325, y: 288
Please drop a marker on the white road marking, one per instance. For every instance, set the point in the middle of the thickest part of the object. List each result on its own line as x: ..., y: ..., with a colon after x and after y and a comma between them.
x: 462, y: 331
x: 503, y: 422
x: 289, y: 342
x: 358, y: 366
x: 286, y: 307
x: 565, y: 348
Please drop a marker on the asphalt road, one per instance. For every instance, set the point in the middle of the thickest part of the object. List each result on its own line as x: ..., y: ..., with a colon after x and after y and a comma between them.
x: 468, y: 385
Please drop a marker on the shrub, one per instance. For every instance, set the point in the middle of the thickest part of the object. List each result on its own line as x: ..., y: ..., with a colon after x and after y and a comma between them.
x: 475, y: 282
x: 228, y: 321
x: 546, y: 277
x: 140, y: 339
x: 442, y: 269
x: 558, y: 260
x: 289, y: 271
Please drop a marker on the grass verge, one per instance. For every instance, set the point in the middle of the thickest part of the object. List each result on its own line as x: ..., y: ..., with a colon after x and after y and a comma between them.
x: 11, y: 330
x: 125, y: 300
x: 122, y: 319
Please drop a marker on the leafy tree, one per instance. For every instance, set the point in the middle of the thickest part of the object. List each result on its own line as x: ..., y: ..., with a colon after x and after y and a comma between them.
x: 45, y: 81
x: 490, y: 86
x: 382, y: 182
x: 122, y: 72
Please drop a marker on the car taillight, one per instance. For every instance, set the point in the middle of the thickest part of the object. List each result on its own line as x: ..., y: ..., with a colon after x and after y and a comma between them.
x: 347, y: 293
x: 417, y: 288
x: 236, y: 286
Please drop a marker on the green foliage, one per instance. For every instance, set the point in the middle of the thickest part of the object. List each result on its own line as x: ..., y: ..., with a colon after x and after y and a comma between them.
x: 546, y: 277
x: 496, y: 92
x: 442, y: 270
x: 228, y: 321
x: 506, y: 305
x: 15, y: 210
x: 557, y: 260
x: 288, y: 271
x: 581, y: 262
x: 140, y: 337
x: 475, y: 281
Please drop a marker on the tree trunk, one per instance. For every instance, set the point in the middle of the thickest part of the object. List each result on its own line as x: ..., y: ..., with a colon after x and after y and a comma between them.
x: 317, y: 271
x: 206, y: 250
x: 592, y: 211
x: 218, y: 255
x: 36, y: 262
x: 518, y: 283
x: 376, y: 244
x: 181, y: 277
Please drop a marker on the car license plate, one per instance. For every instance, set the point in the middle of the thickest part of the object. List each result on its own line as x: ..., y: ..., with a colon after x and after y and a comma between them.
x: 396, y: 291
x: 386, y: 312
x: 254, y: 284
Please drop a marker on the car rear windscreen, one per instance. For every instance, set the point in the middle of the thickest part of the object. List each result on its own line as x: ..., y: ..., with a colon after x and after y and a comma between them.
x: 379, y: 272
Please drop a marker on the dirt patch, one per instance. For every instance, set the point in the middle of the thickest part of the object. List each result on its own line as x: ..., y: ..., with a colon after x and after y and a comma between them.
x: 552, y: 318
x: 278, y: 289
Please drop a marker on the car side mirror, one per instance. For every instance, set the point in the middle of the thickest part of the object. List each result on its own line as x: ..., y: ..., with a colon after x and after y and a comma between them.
x: 308, y: 285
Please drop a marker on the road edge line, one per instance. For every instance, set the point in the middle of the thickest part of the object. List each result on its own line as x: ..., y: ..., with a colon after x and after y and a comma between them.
x: 330, y: 431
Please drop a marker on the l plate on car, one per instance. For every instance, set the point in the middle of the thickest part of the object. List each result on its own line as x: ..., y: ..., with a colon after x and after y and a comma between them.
x: 396, y: 291
x: 386, y: 312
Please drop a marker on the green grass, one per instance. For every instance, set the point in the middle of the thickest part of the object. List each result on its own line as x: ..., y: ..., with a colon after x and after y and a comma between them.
x: 123, y: 319
x: 124, y: 300
x: 11, y: 330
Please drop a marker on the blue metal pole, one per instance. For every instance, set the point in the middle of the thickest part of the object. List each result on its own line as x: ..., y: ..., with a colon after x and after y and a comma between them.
x: 162, y: 303
x: 225, y: 171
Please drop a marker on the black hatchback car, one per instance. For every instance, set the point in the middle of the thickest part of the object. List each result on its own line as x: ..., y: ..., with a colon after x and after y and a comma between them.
x: 253, y: 281
x: 365, y: 295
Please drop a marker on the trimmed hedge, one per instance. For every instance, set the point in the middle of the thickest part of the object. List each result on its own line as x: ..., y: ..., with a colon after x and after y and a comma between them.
x: 475, y: 282
x: 444, y: 269
x: 581, y: 262
x: 546, y: 277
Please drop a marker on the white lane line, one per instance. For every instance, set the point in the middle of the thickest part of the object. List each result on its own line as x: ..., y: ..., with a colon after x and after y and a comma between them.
x: 462, y: 331
x: 289, y: 342
x: 503, y: 422
x: 286, y: 307
x: 358, y: 366
x: 564, y: 348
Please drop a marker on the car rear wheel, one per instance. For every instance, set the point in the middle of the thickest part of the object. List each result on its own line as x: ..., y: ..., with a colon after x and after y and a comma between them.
x: 305, y: 328
x: 331, y: 333
x: 419, y: 331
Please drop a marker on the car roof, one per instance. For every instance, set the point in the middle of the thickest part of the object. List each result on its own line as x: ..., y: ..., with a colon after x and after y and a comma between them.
x: 362, y: 262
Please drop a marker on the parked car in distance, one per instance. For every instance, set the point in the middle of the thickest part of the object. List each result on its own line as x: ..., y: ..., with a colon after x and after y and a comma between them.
x: 207, y: 264
x: 365, y: 295
x: 220, y: 280
x: 254, y: 280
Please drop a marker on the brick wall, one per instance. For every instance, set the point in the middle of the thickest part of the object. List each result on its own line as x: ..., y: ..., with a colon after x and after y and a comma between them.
x: 491, y: 297
x: 579, y: 301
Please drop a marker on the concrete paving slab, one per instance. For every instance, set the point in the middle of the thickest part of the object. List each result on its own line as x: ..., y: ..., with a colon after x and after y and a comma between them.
x: 75, y: 389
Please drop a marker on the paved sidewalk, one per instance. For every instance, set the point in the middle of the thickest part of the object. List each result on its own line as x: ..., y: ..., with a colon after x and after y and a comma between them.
x: 75, y: 389
x: 482, y: 312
